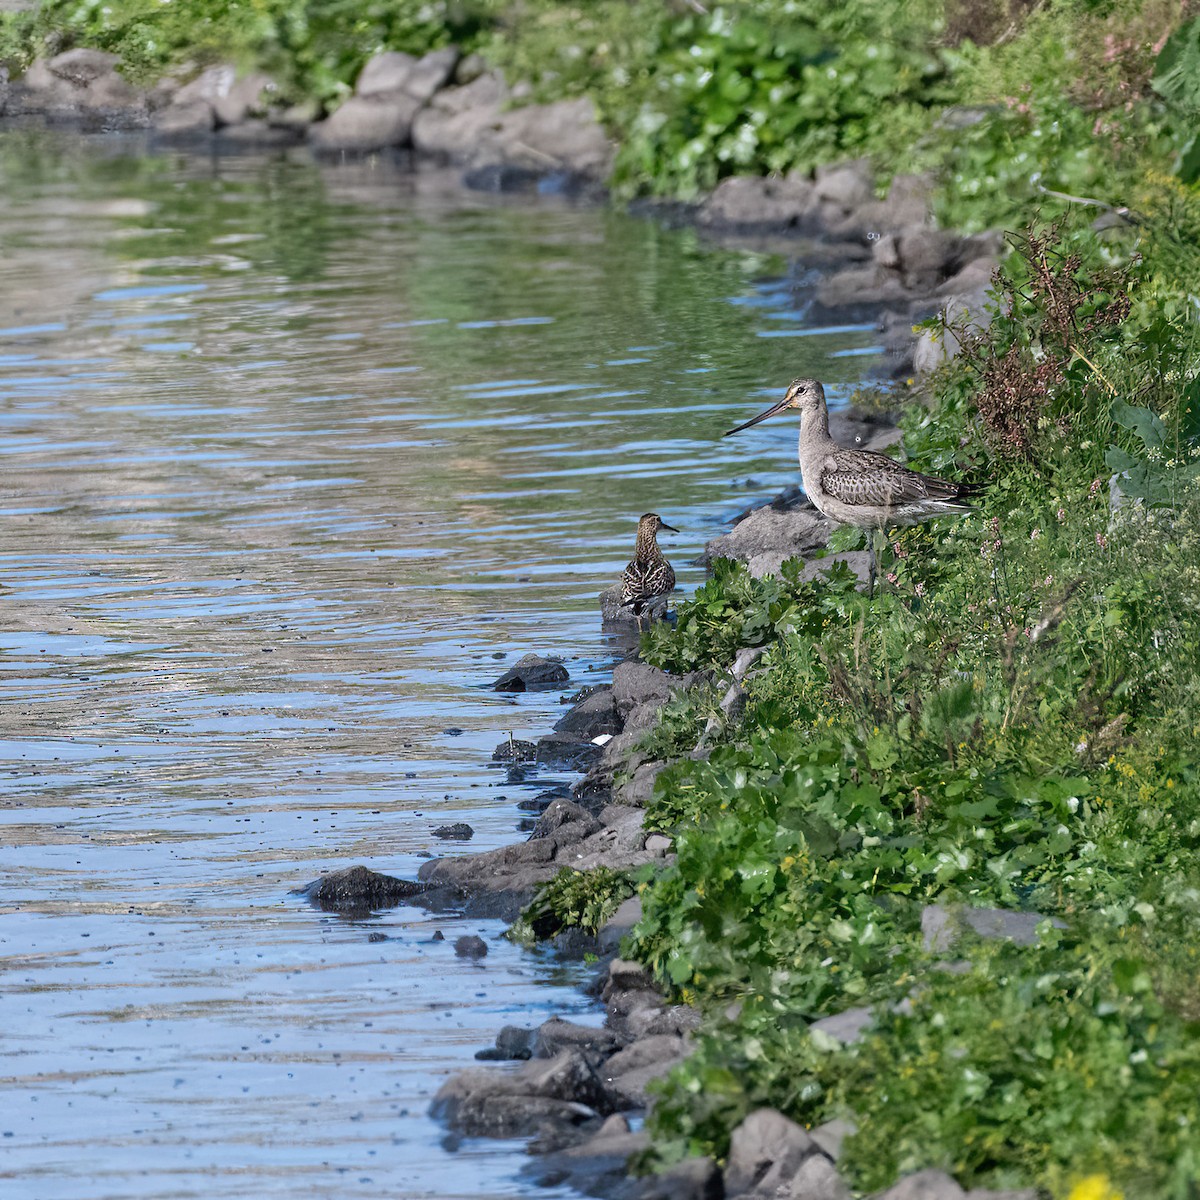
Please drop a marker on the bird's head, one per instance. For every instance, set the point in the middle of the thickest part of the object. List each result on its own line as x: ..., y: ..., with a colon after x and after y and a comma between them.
x: 805, y: 394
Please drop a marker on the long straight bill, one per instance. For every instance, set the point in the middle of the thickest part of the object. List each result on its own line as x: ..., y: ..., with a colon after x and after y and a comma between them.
x: 762, y: 416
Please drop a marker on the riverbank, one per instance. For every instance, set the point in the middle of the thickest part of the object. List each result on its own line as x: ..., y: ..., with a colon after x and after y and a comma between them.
x: 855, y: 255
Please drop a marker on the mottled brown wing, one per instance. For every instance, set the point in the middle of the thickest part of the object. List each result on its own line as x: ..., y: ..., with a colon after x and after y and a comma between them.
x: 862, y: 477
x: 646, y: 578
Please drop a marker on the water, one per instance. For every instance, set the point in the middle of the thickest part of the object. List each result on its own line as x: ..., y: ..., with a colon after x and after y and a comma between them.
x: 295, y: 461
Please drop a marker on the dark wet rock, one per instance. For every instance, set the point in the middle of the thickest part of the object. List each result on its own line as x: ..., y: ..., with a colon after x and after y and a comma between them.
x: 625, y: 975
x: 542, y: 801
x: 629, y: 1072
x: 594, y: 715
x: 830, y: 1136
x: 598, y: 1165
x: 482, y: 1103
x: 458, y: 832
x: 566, y: 751
x: 554, y: 1036
x: 502, y: 178
x: 942, y: 926
x: 514, y: 750
x: 566, y: 822
x: 692, y: 1179
x: 924, y: 1185
x: 359, y: 889
x: 765, y: 1151
x: 256, y: 134
x: 512, y: 1044
x: 768, y: 537
x: 377, y: 937
x: 533, y: 673
x: 470, y: 946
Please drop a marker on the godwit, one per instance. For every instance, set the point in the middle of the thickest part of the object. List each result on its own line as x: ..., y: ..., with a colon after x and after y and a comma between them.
x: 649, y: 577
x: 859, y: 487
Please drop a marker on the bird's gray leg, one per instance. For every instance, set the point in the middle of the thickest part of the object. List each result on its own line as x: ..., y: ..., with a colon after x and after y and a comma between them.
x: 872, y: 565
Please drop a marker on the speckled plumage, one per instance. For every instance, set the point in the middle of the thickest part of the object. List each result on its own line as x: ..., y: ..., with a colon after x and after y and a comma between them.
x: 649, y: 576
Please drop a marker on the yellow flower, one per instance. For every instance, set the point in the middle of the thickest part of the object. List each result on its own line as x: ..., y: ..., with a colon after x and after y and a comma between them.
x: 1095, y: 1187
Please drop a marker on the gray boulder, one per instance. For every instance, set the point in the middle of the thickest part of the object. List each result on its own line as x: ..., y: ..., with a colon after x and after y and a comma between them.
x: 81, y: 79
x: 831, y: 1135
x: 554, y: 1036
x: 924, y: 1185
x: 845, y: 186
x: 457, y: 120
x: 692, y: 1179
x: 942, y: 926
x: 189, y: 119
x: 816, y: 1179
x: 768, y: 536
x: 479, y: 1103
x: 628, y: 1072
x: 760, y: 204
x: 367, y: 123
x: 250, y: 96
x: 391, y: 90
x: 765, y: 1152
x: 393, y: 71
x: 619, y: 926
x: 845, y: 1027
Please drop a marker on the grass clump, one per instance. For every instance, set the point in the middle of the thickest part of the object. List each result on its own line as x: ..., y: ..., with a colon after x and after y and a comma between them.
x: 574, y: 900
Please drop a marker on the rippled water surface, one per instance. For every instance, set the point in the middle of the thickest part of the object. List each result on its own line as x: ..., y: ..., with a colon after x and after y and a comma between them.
x: 294, y: 461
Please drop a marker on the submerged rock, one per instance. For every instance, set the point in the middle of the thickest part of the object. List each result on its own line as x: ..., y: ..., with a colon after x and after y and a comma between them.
x: 458, y: 832
x: 359, y: 890
x: 470, y: 946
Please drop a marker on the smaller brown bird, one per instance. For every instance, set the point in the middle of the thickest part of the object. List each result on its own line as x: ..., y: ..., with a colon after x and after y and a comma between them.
x: 648, y: 579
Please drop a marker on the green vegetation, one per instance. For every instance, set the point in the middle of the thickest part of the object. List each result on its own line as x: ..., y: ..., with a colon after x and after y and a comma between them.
x: 573, y: 899
x: 998, y: 98
x: 1011, y: 723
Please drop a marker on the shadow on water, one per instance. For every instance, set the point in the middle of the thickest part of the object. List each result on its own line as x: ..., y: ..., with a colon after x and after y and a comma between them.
x: 295, y: 462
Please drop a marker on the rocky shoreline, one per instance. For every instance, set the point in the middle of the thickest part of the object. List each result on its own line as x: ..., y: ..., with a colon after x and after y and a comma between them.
x: 578, y: 1093
x: 863, y: 249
